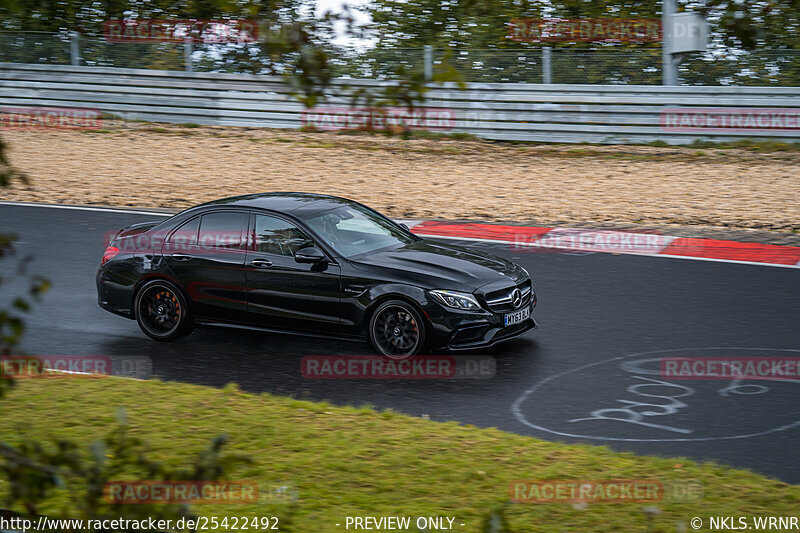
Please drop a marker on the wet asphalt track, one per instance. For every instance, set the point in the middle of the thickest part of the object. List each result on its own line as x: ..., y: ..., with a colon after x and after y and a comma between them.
x: 601, y: 318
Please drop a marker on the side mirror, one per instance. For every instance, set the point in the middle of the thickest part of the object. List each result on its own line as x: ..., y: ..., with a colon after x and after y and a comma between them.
x: 309, y: 254
x: 404, y: 227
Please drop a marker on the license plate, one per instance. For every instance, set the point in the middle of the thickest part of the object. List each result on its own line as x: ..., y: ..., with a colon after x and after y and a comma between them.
x: 517, y: 317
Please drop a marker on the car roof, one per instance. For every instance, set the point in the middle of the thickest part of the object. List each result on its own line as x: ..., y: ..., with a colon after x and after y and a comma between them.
x: 296, y: 203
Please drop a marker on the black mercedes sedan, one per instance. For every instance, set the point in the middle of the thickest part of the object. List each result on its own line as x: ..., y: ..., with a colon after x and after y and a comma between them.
x: 311, y: 264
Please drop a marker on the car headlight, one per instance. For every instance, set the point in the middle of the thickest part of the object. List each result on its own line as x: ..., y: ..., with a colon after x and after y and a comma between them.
x: 526, y: 271
x: 456, y: 300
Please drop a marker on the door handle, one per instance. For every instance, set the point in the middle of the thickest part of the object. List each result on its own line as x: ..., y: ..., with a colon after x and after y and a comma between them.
x: 181, y: 256
x: 261, y: 263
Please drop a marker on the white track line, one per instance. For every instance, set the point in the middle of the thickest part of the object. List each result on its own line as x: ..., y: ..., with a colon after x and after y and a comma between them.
x: 409, y: 223
x: 82, y: 208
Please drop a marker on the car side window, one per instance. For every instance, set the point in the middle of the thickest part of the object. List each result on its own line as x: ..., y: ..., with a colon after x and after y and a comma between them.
x: 221, y: 230
x: 278, y: 237
x: 186, y: 235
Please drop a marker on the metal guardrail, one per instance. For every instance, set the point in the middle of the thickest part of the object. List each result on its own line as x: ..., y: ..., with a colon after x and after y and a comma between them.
x: 503, y: 111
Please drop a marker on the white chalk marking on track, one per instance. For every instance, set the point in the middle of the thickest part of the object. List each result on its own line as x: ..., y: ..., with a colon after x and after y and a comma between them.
x: 519, y: 415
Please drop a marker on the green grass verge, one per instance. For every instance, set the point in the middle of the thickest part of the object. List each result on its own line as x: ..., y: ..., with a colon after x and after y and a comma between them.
x: 748, y: 144
x: 357, y: 461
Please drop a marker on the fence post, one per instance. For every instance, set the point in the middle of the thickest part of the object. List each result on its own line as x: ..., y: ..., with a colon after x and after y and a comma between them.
x: 428, y: 62
x: 187, y: 53
x: 669, y: 67
x: 547, y: 64
x: 74, y: 48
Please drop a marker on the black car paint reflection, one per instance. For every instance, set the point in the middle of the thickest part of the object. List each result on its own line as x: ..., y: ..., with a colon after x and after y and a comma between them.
x: 313, y: 265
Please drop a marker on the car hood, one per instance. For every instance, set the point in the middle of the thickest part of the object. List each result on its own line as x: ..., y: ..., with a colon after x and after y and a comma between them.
x: 439, y: 266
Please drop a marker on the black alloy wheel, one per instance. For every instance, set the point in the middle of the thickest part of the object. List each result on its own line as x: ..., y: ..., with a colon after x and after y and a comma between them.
x: 396, y: 330
x: 161, y: 311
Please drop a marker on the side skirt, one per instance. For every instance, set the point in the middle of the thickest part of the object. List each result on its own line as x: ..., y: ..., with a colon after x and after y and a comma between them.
x: 217, y: 323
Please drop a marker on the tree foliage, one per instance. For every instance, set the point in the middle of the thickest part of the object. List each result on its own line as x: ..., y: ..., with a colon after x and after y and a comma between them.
x: 753, y: 24
x: 478, y: 31
x: 746, y: 24
x: 35, y: 472
x: 291, y: 41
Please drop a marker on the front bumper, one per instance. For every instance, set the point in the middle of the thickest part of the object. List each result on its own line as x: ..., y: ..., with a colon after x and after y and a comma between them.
x: 490, y: 336
x: 455, y: 330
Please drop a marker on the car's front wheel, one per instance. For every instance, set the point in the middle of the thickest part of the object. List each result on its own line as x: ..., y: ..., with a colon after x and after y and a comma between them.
x: 396, y: 330
x: 161, y: 311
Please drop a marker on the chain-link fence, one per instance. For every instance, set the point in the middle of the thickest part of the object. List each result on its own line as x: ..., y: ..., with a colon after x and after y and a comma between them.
x: 379, y: 63
x: 535, y: 64
x: 35, y: 47
x: 565, y: 66
x: 778, y: 68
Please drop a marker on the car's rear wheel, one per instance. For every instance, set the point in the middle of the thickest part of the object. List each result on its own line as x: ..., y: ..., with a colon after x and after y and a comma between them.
x: 162, y: 312
x: 396, y: 330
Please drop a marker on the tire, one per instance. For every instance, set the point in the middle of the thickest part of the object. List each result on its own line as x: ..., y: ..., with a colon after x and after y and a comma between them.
x: 397, y: 330
x: 161, y: 311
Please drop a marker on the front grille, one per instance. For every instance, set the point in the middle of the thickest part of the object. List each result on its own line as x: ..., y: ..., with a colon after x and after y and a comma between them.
x: 512, y: 330
x: 500, y: 301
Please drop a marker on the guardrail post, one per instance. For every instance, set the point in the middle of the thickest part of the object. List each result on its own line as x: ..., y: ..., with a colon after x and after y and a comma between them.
x: 74, y: 48
x: 547, y: 64
x: 187, y: 54
x: 669, y: 67
x: 428, y: 61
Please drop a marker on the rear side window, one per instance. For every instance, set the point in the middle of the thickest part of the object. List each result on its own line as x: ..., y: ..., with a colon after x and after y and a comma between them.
x: 221, y: 230
x: 278, y: 237
x: 186, y: 234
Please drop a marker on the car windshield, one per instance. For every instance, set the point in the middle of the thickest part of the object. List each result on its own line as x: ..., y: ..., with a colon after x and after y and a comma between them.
x: 353, y: 230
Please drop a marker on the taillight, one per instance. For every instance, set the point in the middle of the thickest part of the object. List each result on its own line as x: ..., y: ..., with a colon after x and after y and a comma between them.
x: 110, y: 253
